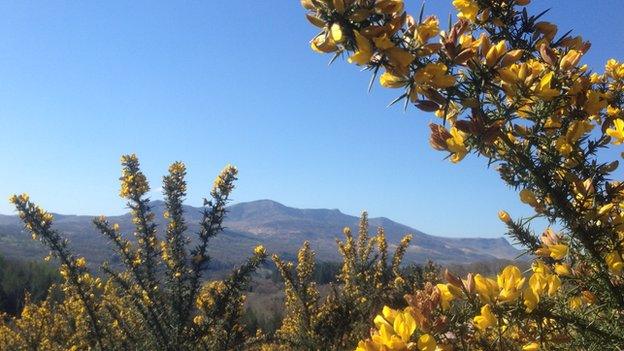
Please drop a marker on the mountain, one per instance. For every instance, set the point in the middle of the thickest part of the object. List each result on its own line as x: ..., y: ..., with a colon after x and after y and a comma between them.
x: 280, y: 228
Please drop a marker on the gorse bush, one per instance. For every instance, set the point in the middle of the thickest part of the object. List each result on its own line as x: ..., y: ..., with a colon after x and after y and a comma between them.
x: 157, y: 301
x: 506, y: 86
x: 369, y: 278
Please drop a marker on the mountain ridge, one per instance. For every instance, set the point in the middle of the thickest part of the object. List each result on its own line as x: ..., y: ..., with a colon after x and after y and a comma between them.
x: 282, y: 229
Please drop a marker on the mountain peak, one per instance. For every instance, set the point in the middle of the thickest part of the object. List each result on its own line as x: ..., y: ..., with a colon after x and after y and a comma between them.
x: 262, y: 202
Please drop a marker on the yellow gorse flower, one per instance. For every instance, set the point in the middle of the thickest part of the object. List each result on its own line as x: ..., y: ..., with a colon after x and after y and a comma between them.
x: 404, y: 325
x: 614, y: 262
x: 389, y: 7
x: 552, y: 246
x: 486, y: 319
x: 81, y: 262
x: 428, y: 29
x: 399, y: 59
x: 389, y: 80
x: 446, y: 296
x: 510, y: 282
x: 426, y: 342
x: 434, y: 75
x: 617, y: 131
x: 541, y: 282
x: 558, y: 251
x: 364, y: 51
x: 260, y: 250
x: 545, y: 88
x: 394, y: 329
x: 468, y: 9
x: 562, y: 269
x: 455, y: 144
x: 486, y: 288
x: 495, y: 53
x: 531, y: 347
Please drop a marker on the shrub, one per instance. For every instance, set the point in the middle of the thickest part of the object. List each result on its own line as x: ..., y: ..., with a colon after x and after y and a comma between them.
x: 157, y: 301
x: 160, y: 301
x: 368, y: 278
x: 507, y: 87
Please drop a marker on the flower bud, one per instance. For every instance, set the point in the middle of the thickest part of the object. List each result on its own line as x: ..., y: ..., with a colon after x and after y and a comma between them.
x: 543, y: 252
x: 426, y: 105
x: 453, y: 279
x: 504, y: 216
x: 339, y: 5
x: 570, y: 60
x: 562, y: 269
x: 464, y: 56
x: 548, y: 55
x: 315, y: 21
x: 307, y: 4
x: 588, y: 297
x: 511, y: 57
x: 438, y: 137
x: 612, y: 166
x: 470, y: 283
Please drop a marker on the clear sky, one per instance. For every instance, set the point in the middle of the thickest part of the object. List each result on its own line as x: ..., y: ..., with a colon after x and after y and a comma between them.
x: 212, y: 82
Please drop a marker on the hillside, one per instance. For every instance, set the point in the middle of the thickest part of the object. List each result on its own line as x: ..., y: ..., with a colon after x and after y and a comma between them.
x: 280, y: 228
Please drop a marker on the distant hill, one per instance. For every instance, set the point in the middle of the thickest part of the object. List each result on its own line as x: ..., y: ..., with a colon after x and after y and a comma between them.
x: 280, y: 228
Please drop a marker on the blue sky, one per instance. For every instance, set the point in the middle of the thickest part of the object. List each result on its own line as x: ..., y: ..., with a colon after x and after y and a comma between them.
x: 217, y: 82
